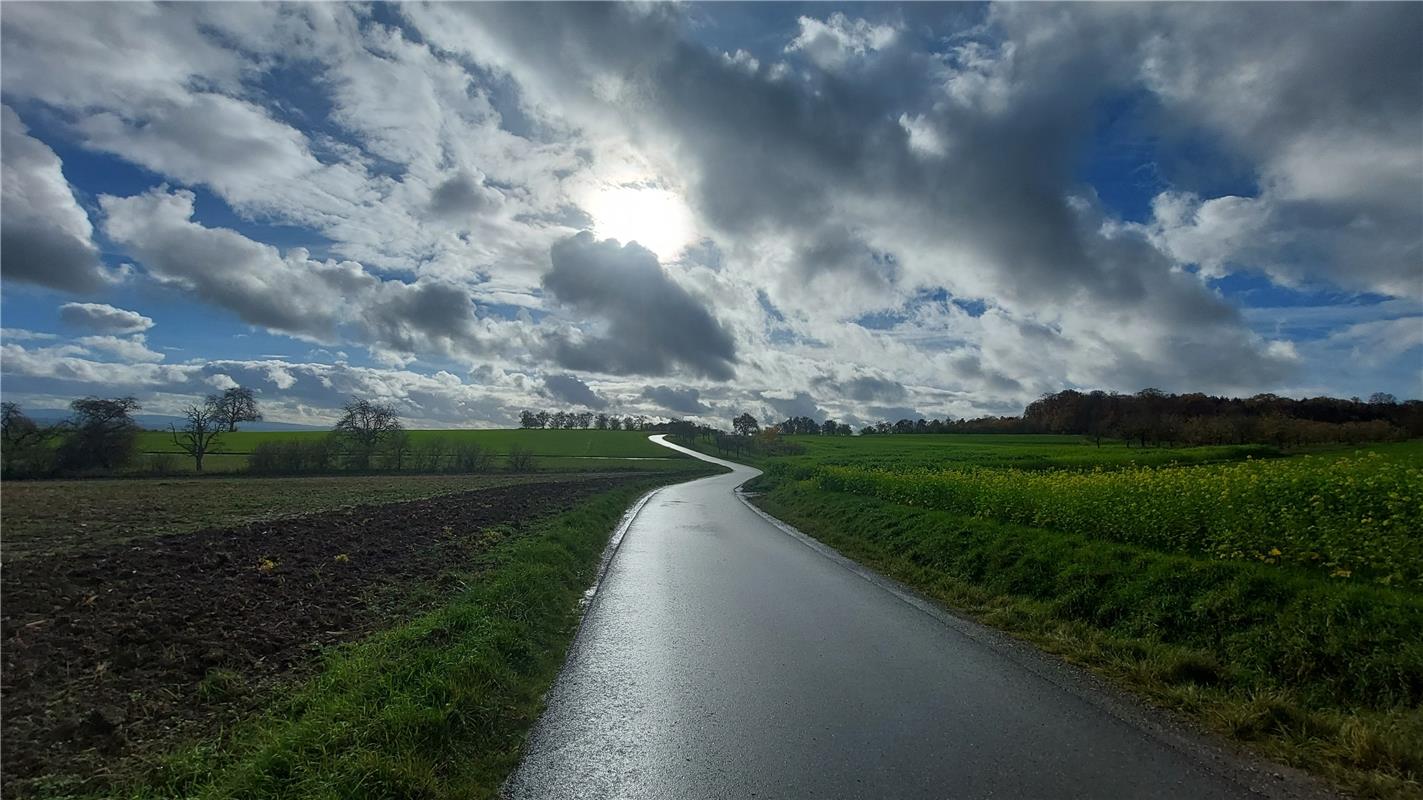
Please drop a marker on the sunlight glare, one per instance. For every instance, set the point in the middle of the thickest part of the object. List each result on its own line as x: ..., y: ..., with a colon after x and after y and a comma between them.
x: 654, y: 218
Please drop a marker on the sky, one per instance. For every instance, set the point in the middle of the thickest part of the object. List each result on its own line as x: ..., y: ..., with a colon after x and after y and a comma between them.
x: 862, y: 212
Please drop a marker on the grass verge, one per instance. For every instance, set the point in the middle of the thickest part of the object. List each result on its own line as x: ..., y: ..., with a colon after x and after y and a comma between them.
x: 436, y: 707
x: 1324, y: 677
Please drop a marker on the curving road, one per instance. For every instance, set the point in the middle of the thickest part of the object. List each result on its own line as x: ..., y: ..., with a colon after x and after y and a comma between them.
x: 726, y: 657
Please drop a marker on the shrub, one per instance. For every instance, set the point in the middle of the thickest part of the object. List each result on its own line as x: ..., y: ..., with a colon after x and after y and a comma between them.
x: 430, y: 456
x: 470, y: 457
x: 521, y: 459
x: 161, y: 464
x: 290, y: 457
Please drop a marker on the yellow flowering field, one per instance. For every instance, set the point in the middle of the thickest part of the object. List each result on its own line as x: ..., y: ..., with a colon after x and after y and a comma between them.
x: 1351, y: 517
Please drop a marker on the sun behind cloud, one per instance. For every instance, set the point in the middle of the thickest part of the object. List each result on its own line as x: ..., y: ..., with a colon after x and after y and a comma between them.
x: 655, y: 218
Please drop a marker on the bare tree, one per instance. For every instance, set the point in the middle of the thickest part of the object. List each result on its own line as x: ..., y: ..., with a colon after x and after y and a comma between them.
x: 364, y: 426
x: 200, y: 432
x: 235, y: 405
x: 24, y: 449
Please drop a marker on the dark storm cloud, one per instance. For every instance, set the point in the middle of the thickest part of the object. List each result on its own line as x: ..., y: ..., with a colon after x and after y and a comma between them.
x: 569, y: 389
x: 654, y: 326
x: 685, y: 401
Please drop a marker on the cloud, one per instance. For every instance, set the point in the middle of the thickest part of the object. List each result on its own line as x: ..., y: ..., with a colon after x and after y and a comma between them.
x: 221, y: 381
x: 808, y: 212
x: 307, y: 393
x: 45, y: 236
x: 833, y: 42
x: 291, y: 293
x: 893, y: 413
x: 654, y: 326
x: 903, y: 173
x: 22, y: 335
x: 864, y: 388
x: 463, y: 196
x: 568, y: 389
x: 103, y: 318
x: 685, y: 400
x: 133, y: 348
x: 800, y: 404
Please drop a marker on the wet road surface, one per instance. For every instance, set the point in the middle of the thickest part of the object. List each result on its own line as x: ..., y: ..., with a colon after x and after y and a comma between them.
x: 723, y: 657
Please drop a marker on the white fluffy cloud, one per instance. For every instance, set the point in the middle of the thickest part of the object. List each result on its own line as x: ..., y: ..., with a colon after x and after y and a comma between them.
x: 832, y: 42
x: 125, y: 348
x: 103, y: 318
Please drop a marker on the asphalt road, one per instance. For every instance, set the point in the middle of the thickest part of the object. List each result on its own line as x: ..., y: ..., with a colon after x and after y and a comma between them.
x: 725, y: 657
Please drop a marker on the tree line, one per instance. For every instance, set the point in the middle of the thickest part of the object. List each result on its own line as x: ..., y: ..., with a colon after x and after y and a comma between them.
x: 1148, y: 417
x: 1154, y: 417
x: 100, y: 436
x: 585, y: 420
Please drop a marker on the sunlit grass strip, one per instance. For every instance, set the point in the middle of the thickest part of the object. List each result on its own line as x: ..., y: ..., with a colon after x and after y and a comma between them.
x: 1358, y: 516
x: 434, y: 708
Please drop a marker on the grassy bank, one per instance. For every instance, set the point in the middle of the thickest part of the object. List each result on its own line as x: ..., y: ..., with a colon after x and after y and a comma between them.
x: 436, y: 707
x: 1317, y: 674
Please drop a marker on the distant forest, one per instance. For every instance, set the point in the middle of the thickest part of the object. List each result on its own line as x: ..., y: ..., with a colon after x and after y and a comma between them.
x: 1159, y: 418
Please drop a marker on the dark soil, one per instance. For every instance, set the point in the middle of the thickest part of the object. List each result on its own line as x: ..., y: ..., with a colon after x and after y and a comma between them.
x: 113, y: 654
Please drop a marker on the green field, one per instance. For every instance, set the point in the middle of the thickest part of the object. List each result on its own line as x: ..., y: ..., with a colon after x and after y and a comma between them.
x: 1274, y: 597
x: 579, y: 443
x: 1029, y: 452
x: 1348, y: 513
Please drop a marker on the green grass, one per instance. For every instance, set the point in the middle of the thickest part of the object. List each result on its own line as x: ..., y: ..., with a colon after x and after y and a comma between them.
x: 60, y: 516
x: 611, y: 444
x: 437, y: 707
x: 1324, y: 676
